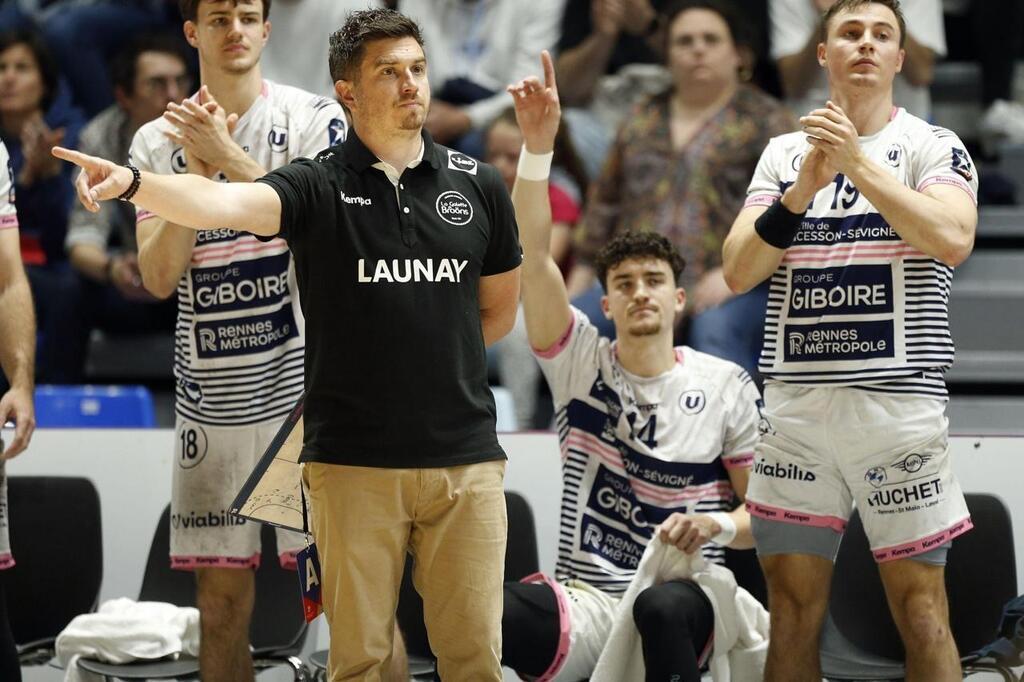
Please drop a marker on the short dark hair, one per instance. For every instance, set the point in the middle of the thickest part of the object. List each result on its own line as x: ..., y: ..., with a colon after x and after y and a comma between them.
x: 637, y: 244
x: 124, y: 67
x: 45, y: 61
x: 190, y: 8
x: 847, y: 5
x: 348, y: 43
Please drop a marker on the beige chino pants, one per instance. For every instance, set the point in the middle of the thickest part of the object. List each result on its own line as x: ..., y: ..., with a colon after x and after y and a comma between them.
x: 452, y: 520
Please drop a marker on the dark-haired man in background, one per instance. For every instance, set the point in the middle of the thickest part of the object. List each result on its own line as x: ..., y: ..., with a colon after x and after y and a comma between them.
x: 148, y: 74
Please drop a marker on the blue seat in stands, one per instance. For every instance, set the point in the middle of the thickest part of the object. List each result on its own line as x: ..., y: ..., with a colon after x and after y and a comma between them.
x: 94, y: 407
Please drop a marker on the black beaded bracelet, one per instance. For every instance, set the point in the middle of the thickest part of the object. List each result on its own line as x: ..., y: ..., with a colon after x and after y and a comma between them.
x: 134, y: 187
x: 778, y: 225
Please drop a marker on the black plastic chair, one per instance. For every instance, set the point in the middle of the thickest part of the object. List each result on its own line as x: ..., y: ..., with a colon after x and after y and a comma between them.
x: 278, y: 628
x: 55, y: 532
x: 981, y: 576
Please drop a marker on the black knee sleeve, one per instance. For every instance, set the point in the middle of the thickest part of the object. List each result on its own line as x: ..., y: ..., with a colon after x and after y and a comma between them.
x: 675, y: 621
x: 529, y: 628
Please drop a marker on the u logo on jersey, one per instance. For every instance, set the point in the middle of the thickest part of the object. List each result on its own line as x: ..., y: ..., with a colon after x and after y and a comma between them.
x: 178, y: 163
x: 277, y: 138
x: 692, y: 402
x: 893, y: 154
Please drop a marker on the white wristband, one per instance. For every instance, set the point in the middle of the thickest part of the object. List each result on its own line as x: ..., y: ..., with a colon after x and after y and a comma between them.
x: 728, y: 532
x: 534, y: 166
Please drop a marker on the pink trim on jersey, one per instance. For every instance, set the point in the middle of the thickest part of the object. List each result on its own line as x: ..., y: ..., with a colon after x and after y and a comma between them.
x: 892, y: 114
x: 564, y: 625
x: 761, y: 200
x: 289, y: 560
x: 955, y: 182
x: 6, y: 561
x: 188, y: 563
x: 592, y: 446
x: 265, y: 89
x: 8, y: 222
x: 800, y: 518
x: 848, y: 253
x: 142, y: 214
x: 262, y: 248
x: 680, y: 358
x: 909, y: 549
x: 740, y: 460
x: 559, y: 345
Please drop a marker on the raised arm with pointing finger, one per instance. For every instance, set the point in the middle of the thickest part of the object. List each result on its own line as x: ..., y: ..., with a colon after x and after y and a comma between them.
x: 545, y: 301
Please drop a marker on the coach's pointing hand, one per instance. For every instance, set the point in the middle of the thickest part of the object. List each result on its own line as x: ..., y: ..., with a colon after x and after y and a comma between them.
x: 99, y: 179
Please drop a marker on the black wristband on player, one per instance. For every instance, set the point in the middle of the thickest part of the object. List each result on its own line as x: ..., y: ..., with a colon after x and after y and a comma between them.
x: 778, y: 225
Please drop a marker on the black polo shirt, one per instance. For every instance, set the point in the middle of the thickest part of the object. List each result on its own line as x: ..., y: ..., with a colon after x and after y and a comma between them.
x: 396, y: 372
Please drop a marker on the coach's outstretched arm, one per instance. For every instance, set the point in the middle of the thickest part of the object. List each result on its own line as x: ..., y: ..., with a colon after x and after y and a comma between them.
x: 545, y: 301
x: 187, y: 200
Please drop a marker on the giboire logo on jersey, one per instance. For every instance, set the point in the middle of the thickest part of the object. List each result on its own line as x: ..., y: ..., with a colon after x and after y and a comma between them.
x: 453, y: 208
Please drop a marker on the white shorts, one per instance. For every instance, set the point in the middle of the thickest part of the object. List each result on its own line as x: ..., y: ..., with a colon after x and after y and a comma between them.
x: 823, y: 450
x: 6, y: 559
x: 211, y: 465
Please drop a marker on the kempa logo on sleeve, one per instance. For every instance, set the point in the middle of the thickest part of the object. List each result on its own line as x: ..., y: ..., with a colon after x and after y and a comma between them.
x: 454, y: 209
x: 460, y: 162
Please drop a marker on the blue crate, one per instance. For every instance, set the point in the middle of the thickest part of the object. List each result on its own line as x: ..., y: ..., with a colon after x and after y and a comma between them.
x: 94, y: 407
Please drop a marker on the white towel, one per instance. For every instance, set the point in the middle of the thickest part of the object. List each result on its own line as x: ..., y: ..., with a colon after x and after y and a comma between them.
x: 741, y: 623
x: 124, y: 630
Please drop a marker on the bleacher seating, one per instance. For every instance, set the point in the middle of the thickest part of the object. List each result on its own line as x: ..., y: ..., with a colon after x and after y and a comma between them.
x: 986, y: 306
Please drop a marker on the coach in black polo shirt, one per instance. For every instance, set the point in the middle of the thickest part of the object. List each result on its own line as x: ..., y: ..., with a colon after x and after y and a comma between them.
x: 408, y: 259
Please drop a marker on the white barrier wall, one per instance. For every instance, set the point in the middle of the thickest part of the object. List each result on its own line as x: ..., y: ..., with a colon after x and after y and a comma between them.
x: 132, y: 471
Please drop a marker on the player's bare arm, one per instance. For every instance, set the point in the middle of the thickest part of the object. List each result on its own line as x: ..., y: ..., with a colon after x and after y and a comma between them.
x: 545, y: 301
x: 939, y: 221
x: 17, y: 344
x: 187, y: 200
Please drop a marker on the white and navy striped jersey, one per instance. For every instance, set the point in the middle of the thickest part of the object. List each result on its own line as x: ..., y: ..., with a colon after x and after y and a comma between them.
x: 637, y: 449
x: 852, y: 303
x: 238, y: 346
x: 8, y: 214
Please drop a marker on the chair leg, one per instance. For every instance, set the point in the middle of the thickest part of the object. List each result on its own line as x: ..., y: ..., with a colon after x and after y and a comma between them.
x: 979, y: 667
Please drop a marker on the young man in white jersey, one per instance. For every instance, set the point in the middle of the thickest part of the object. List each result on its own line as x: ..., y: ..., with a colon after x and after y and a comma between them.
x: 239, y: 337
x: 17, y: 358
x: 654, y: 438
x: 859, y: 221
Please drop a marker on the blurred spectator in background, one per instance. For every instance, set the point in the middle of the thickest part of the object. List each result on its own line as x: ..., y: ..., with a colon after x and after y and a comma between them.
x: 993, y: 35
x: 84, y: 35
x: 30, y: 124
x: 517, y: 366
x: 796, y: 32
x: 150, y: 72
x: 297, y: 56
x: 611, y: 57
x: 475, y: 48
x: 600, y: 37
x: 679, y: 166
